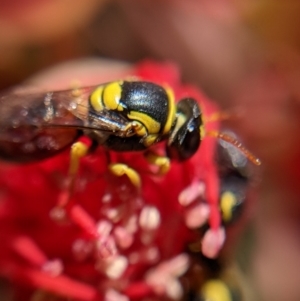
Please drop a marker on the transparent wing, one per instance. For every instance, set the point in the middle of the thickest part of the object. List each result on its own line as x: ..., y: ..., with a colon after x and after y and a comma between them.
x: 61, y: 109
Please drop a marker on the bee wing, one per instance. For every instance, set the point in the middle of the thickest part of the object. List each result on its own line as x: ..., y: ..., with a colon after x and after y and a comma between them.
x: 76, y: 103
x: 62, y: 109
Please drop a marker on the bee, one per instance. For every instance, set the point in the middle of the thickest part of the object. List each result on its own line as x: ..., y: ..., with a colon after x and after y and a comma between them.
x: 217, y: 280
x: 122, y: 116
x: 235, y: 176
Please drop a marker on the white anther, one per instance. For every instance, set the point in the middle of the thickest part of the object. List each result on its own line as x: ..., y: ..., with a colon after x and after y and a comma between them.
x: 132, y: 224
x: 104, y: 228
x: 113, y: 214
x: 165, y: 275
x: 149, y: 218
x: 113, y: 295
x: 106, y: 248
x: 179, y: 265
x: 107, y: 198
x: 212, y: 242
x: 152, y: 255
x: 197, y: 216
x: 116, y: 267
x: 81, y: 249
x: 174, y: 289
x: 124, y: 239
x: 53, y: 267
x: 191, y: 193
x: 58, y: 214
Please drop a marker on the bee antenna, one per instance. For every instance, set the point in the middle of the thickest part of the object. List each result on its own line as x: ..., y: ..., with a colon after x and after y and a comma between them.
x: 225, y: 137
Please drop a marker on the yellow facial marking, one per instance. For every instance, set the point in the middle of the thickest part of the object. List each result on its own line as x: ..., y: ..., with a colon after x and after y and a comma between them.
x: 216, y: 290
x: 181, y: 119
x: 171, y: 110
x: 112, y: 96
x: 202, y: 132
x: 228, y: 201
x: 96, y: 99
x: 151, y: 125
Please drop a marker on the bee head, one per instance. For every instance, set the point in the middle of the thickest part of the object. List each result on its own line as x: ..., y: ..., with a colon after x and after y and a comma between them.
x: 184, y: 139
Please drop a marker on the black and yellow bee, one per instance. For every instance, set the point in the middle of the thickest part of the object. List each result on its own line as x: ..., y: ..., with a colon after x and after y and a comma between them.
x: 145, y: 114
x: 235, y: 175
x: 216, y: 280
x: 120, y: 116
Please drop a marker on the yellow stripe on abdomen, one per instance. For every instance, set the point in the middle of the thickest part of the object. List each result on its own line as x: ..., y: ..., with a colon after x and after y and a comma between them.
x: 112, y: 96
x: 96, y: 99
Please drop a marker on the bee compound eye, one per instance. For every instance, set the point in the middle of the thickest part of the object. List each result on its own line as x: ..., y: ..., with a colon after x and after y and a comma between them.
x: 186, y: 138
x: 184, y: 145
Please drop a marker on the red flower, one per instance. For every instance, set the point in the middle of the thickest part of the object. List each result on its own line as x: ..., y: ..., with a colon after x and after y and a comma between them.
x: 115, y: 242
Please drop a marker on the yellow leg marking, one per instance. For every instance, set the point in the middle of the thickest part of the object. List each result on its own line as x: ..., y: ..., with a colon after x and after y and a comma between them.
x: 162, y: 162
x: 119, y: 169
x: 78, y: 150
x: 149, y: 140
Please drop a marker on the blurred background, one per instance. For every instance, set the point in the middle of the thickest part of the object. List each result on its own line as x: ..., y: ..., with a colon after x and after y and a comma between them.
x: 244, y: 54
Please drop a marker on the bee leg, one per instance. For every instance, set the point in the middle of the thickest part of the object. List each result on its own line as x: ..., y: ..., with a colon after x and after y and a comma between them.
x: 119, y: 169
x: 79, y: 149
x: 162, y: 162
